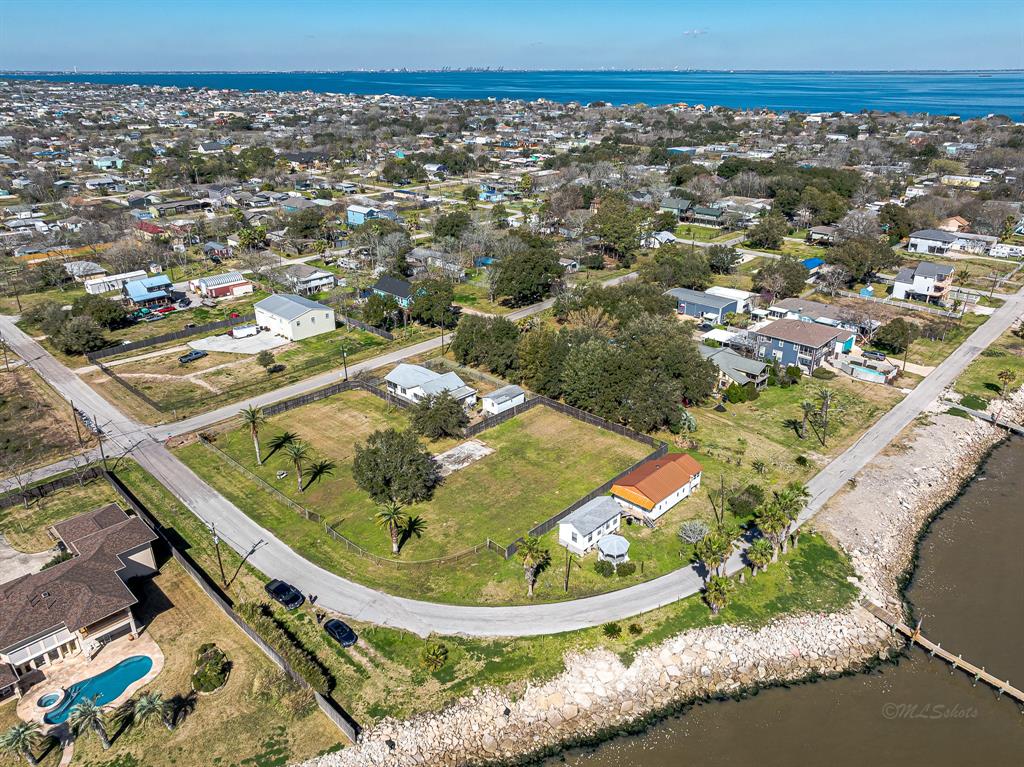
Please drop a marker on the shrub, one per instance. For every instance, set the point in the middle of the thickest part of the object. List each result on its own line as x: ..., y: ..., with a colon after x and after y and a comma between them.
x: 802, y: 460
x: 611, y: 630
x: 212, y: 667
x: 635, y: 629
x: 626, y: 569
x: 794, y: 372
x: 735, y: 394
x: 823, y: 374
x: 751, y: 391
x: 262, y: 621
x: 56, y: 559
x: 434, y: 656
x: 601, y: 567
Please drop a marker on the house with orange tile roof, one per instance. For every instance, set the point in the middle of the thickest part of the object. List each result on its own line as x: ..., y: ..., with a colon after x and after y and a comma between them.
x: 653, y: 488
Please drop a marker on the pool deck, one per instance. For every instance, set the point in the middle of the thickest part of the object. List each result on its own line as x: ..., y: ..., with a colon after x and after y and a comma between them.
x: 63, y: 674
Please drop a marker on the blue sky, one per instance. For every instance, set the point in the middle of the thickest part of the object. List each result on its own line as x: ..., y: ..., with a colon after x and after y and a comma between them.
x: 530, y: 34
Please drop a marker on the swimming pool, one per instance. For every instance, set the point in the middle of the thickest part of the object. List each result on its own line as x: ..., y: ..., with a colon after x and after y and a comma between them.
x: 103, y: 688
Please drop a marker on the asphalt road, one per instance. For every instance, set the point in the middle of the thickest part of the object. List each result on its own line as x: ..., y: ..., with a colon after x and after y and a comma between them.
x: 362, y: 603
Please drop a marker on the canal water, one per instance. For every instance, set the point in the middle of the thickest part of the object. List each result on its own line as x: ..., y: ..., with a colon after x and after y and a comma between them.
x: 968, y: 588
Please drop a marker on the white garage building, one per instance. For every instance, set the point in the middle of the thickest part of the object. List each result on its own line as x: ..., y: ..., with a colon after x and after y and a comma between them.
x: 293, y: 317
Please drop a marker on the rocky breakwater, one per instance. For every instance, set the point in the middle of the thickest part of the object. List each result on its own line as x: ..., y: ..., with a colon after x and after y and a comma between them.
x: 598, y: 695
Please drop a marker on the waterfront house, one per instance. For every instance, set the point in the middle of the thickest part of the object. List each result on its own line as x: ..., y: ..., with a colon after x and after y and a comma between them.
x: 582, y: 529
x: 657, y: 485
x: 925, y: 282
x: 805, y: 344
x: 77, y: 605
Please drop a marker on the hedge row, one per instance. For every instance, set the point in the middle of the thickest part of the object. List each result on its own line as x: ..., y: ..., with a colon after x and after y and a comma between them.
x: 260, y: 619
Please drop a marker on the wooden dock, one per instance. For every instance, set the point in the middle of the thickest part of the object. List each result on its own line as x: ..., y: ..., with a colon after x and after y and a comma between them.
x: 956, y: 661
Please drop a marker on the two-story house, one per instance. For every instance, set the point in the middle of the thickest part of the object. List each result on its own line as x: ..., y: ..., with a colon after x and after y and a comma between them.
x: 805, y: 344
x: 925, y: 282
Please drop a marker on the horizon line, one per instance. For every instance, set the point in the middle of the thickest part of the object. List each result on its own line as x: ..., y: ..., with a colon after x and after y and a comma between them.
x: 494, y: 70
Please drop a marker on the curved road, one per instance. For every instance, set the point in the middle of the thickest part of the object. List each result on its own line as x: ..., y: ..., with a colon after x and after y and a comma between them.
x: 366, y: 604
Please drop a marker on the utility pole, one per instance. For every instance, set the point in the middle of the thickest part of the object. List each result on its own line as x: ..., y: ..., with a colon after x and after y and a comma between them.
x: 344, y: 356
x: 216, y: 545
x: 103, y: 455
x: 78, y: 426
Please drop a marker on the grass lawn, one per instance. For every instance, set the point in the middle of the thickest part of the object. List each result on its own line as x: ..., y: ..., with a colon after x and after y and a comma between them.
x: 475, y: 295
x: 742, y: 278
x: 981, y: 378
x: 700, y: 233
x: 800, y: 250
x: 223, y: 378
x: 543, y: 461
x: 382, y: 676
x: 926, y: 351
x: 9, y: 304
x: 37, y: 426
x: 25, y: 529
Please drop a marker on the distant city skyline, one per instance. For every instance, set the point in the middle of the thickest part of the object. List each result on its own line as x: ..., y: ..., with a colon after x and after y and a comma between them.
x: 311, y: 35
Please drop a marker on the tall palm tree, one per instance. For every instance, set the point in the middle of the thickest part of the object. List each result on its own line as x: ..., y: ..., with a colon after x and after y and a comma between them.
x: 147, y: 706
x: 88, y: 715
x: 298, y: 453
x: 717, y: 592
x: 254, y: 419
x: 792, y: 500
x: 826, y: 396
x: 22, y: 739
x: 1006, y: 378
x: 392, y: 518
x: 533, y: 556
x: 759, y: 555
x: 773, y: 522
x: 713, y: 550
x: 808, y: 408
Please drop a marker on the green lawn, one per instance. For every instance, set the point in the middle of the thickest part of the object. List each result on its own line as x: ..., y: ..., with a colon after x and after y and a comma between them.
x: 25, y: 528
x: 700, y: 233
x: 543, y: 461
x: 474, y: 294
x: 981, y: 378
x: 382, y: 675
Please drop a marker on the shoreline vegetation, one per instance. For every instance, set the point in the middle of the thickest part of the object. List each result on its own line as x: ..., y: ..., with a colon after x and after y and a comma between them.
x: 599, y: 696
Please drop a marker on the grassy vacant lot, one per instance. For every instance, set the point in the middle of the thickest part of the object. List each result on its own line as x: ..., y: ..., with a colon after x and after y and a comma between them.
x: 543, y: 461
x: 36, y: 425
x: 981, y: 378
x: 702, y: 233
x: 223, y: 378
x: 474, y: 295
x: 793, y: 248
x: 25, y: 528
x: 382, y: 675
x: 742, y: 278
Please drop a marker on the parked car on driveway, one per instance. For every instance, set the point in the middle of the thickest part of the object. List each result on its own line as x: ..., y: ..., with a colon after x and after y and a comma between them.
x: 192, y: 356
x: 165, y: 309
x: 869, y: 355
x: 184, y: 303
x: 341, y: 632
x: 285, y: 593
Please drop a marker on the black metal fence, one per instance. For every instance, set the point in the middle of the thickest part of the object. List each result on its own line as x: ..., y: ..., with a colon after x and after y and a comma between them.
x: 144, y: 343
x: 341, y: 718
x: 43, y: 489
x: 330, y: 391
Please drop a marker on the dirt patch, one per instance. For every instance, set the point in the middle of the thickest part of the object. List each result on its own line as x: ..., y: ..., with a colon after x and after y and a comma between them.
x: 461, y: 456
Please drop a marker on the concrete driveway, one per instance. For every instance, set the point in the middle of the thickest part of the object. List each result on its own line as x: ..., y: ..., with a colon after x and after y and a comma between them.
x: 251, y: 345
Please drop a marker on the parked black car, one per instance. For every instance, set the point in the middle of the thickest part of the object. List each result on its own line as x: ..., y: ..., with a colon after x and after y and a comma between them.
x: 192, y: 356
x: 873, y: 355
x: 285, y: 593
x: 340, y: 632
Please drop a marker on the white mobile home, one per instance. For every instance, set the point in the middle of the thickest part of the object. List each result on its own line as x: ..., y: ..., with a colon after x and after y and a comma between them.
x: 582, y: 529
x: 110, y: 282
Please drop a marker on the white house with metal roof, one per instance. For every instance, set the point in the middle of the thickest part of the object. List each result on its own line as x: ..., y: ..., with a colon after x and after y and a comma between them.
x: 582, y: 529
x: 293, y: 317
x: 414, y: 382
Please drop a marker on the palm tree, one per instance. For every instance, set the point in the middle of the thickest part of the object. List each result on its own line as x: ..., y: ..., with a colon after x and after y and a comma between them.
x: 717, y: 592
x: 434, y: 656
x: 298, y: 453
x: 282, y: 441
x: 320, y: 469
x: 392, y: 518
x: 1006, y: 378
x: 533, y: 557
x: 792, y: 500
x: 147, y: 706
x: 826, y: 396
x: 254, y: 419
x: 88, y: 715
x: 773, y: 522
x: 808, y: 408
x: 759, y: 555
x: 712, y: 551
x: 23, y: 739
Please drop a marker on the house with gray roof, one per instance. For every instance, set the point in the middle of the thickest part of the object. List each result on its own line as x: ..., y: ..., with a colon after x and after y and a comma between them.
x: 932, y: 241
x: 582, y: 529
x: 293, y: 317
x: 703, y: 305
x: 734, y: 368
x: 500, y: 400
x: 414, y: 382
x: 77, y: 605
x: 924, y: 282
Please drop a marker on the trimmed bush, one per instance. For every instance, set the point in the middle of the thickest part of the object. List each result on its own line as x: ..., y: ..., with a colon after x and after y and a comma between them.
x: 635, y: 629
x: 601, y: 567
x: 212, y: 668
x: 626, y: 568
x: 823, y: 374
x: 735, y: 394
x: 304, y: 663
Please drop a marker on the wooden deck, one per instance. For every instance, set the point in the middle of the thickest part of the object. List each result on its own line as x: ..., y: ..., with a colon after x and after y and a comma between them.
x: 957, y: 661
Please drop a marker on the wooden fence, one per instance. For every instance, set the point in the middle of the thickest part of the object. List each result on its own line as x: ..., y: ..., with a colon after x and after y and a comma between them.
x: 107, y: 371
x: 144, y: 343
x: 345, y: 723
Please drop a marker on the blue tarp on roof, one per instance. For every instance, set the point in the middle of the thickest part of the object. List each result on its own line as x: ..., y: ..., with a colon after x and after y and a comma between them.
x: 812, y: 263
